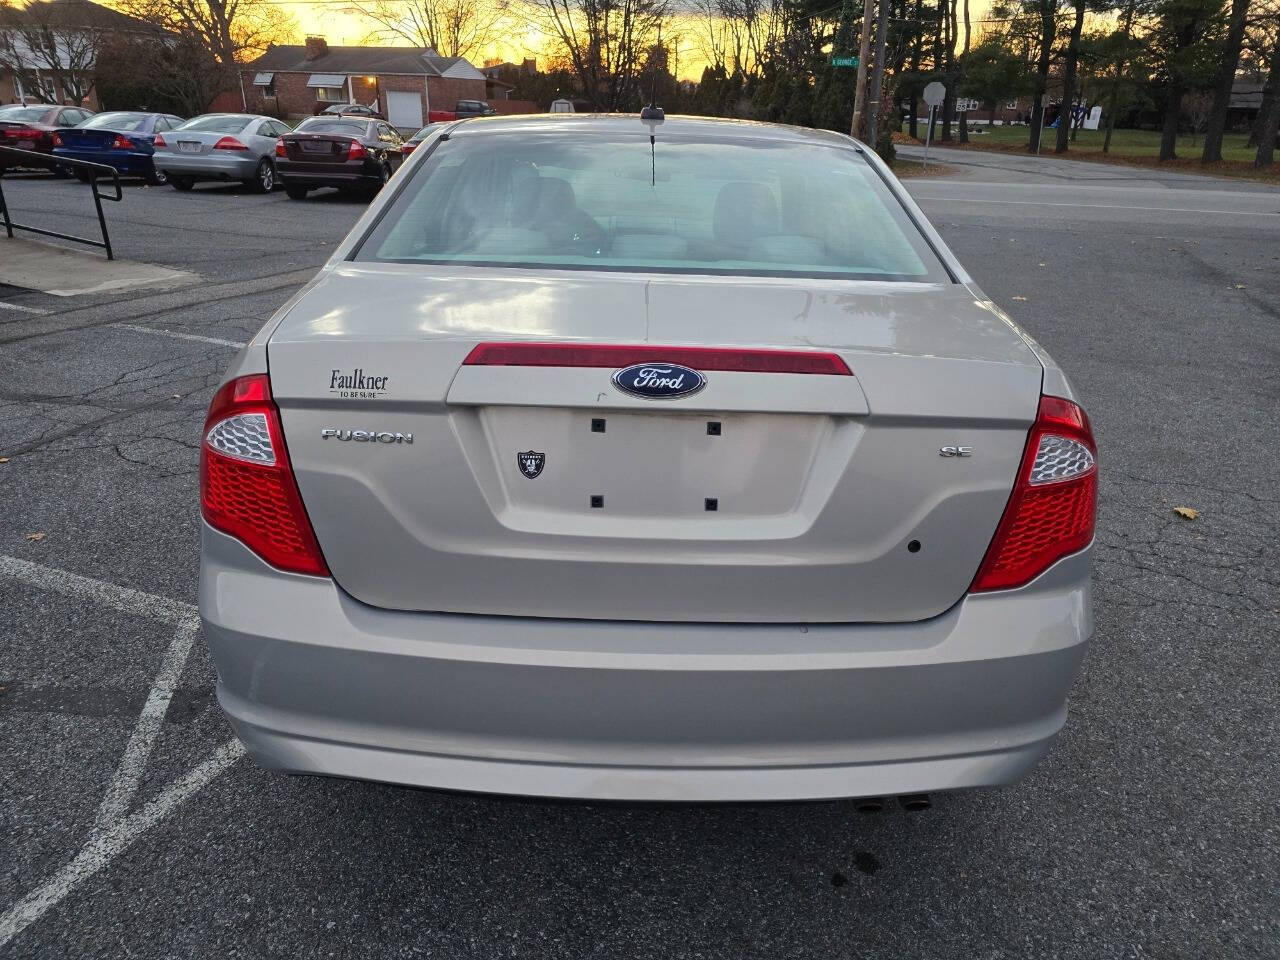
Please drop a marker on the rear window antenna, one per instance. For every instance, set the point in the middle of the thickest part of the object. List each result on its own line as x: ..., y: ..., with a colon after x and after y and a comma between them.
x: 652, y: 117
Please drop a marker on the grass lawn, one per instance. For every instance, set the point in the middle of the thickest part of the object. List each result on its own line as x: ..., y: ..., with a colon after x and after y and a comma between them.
x: 1138, y: 147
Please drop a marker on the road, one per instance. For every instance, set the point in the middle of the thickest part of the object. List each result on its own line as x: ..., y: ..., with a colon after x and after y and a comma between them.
x: 131, y: 828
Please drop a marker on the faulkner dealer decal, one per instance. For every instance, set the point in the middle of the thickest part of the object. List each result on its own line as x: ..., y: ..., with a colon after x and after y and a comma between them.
x: 355, y: 384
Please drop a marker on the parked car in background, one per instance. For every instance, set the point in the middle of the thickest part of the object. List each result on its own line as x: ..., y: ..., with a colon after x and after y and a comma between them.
x: 122, y: 139
x: 561, y: 106
x: 415, y: 141
x: 350, y: 153
x: 473, y: 108
x: 31, y: 127
x: 221, y: 146
x: 351, y: 110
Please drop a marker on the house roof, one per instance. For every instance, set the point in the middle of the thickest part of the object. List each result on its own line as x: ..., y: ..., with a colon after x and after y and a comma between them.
x: 1245, y: 95
x: 72, y: 14
x: 292, y: 58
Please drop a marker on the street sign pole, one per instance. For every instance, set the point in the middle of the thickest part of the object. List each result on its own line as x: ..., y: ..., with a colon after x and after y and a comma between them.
x: 928, y: 135
x: 934, y: 94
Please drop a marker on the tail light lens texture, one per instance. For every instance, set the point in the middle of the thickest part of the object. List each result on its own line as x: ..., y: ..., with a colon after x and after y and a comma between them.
x: 122, y: 143
x: 281, y: 150
x: 247, y: 487
x: 229, y: 143
x: 1053, y: 507
x: 159, y: 141
x: 356, y: 151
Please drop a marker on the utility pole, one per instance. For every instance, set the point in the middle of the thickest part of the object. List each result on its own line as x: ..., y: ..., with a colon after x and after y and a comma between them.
x: 860, y: 90
x: 877, y: 76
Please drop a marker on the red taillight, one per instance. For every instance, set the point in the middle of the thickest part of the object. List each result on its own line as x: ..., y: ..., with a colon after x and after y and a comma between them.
x: 123, y: 143
x: 746, y: 360
x: 160, y: 141
x: 1053, y: 507
x: 57, y: 140
x: 247, y: 487
x: 229, y: 143
x: 23, y: 133
x: 408, y: 147
x: 356, y: 151
x: 281, y: 150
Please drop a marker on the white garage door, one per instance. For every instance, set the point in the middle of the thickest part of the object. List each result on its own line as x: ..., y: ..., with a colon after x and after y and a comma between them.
x: 404, y: 109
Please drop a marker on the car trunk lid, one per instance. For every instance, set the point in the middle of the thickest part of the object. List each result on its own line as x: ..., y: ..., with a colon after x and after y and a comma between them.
x: 545, y: 490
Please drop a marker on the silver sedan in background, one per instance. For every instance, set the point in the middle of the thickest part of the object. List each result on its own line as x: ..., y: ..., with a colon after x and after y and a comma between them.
x: 686, y: 469
x: 221, y: 146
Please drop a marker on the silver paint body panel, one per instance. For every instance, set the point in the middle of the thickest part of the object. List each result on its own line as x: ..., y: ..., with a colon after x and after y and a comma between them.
x: 486, y: 631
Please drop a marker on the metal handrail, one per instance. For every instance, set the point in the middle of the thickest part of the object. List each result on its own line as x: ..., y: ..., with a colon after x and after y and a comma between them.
x: 30, y: 158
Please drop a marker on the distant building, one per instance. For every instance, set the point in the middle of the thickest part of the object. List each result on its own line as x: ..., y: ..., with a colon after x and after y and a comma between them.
x: 49, y: 50
x: 403, y: 83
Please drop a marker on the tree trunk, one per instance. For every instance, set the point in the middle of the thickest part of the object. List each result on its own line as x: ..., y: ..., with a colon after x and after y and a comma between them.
x: 1172, y: 116
x: 1067, y: 117
x: 1048, y: 31
x: 1121, y: 62
x: 917, y: 51
x: 1217, y: 124
x: 1269, y: 116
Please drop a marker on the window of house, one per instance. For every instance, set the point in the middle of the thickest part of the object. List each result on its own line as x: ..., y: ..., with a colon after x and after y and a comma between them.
x: 330, y: 95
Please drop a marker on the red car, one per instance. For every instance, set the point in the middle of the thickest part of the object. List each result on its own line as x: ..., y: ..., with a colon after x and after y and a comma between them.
x: 31, y: 127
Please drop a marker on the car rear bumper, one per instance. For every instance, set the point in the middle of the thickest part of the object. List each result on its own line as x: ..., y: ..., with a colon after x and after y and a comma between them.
x: 125, y: 162
x: 294, y: 176
x: 233, y: 166
x: 316, y: 682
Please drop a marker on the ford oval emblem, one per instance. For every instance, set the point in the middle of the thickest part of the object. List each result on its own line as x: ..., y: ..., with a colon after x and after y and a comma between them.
x: 659, y: 381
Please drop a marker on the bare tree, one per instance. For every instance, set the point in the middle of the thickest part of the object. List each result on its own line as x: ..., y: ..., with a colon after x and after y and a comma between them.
x: 453, y: 28
x: 737, y: 35
x: 41, y: 41
x: 605, y: 41
x: 1229, y: 60
x: 231, y: 30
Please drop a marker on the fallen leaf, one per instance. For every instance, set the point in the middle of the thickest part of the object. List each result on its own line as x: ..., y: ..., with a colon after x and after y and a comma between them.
x: 1239, y: 286
x: 1187, y: 513
x: 4, y: 459
x: 1042, y: 264
x: 1020, y: 298
x: 35, y: 536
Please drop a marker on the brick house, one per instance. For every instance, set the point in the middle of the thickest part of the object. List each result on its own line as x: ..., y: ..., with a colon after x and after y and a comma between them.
x: 49, y: 50
x: 404, y: 83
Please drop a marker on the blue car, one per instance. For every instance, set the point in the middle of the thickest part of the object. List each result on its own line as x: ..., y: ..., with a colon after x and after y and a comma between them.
x: 122, y: 139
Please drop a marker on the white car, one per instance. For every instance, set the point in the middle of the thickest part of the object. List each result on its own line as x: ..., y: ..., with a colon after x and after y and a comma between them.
x: 693, y: 469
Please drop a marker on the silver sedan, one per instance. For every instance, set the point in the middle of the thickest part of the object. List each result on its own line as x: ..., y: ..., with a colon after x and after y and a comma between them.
x: 221, y: 146
x: 687, y: 469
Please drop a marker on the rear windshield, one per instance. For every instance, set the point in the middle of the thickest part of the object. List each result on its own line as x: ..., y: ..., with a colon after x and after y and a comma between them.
x: 217, y: 123
x: 347, y: 128
x: 698, y: 205
x: 26, y: 114
x: 116, y: 121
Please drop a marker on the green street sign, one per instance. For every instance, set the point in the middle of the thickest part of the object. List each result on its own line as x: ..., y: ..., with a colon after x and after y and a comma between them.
x: 844, y: 61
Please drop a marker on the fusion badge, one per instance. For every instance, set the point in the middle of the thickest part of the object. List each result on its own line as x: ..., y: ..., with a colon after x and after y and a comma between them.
x: 366, y: 436
x: 659, y: 381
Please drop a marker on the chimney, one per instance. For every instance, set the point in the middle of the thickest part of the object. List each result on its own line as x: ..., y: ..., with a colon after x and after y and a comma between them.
x: 316, y: 48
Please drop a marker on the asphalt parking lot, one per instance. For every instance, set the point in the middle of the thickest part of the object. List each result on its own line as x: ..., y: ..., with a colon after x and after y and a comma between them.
x: 131, y: 826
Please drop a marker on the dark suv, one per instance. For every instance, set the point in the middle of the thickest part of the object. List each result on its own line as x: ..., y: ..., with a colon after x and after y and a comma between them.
x: 473, y: 108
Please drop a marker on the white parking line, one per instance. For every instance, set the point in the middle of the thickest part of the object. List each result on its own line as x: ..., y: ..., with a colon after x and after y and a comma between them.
x: 104, y: 847
x: 139, y: 328
x: 124, y: 599
x: 124, y: 784
x: 113, y: 830
x: 1104, y: 206
x: 5, y: 305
